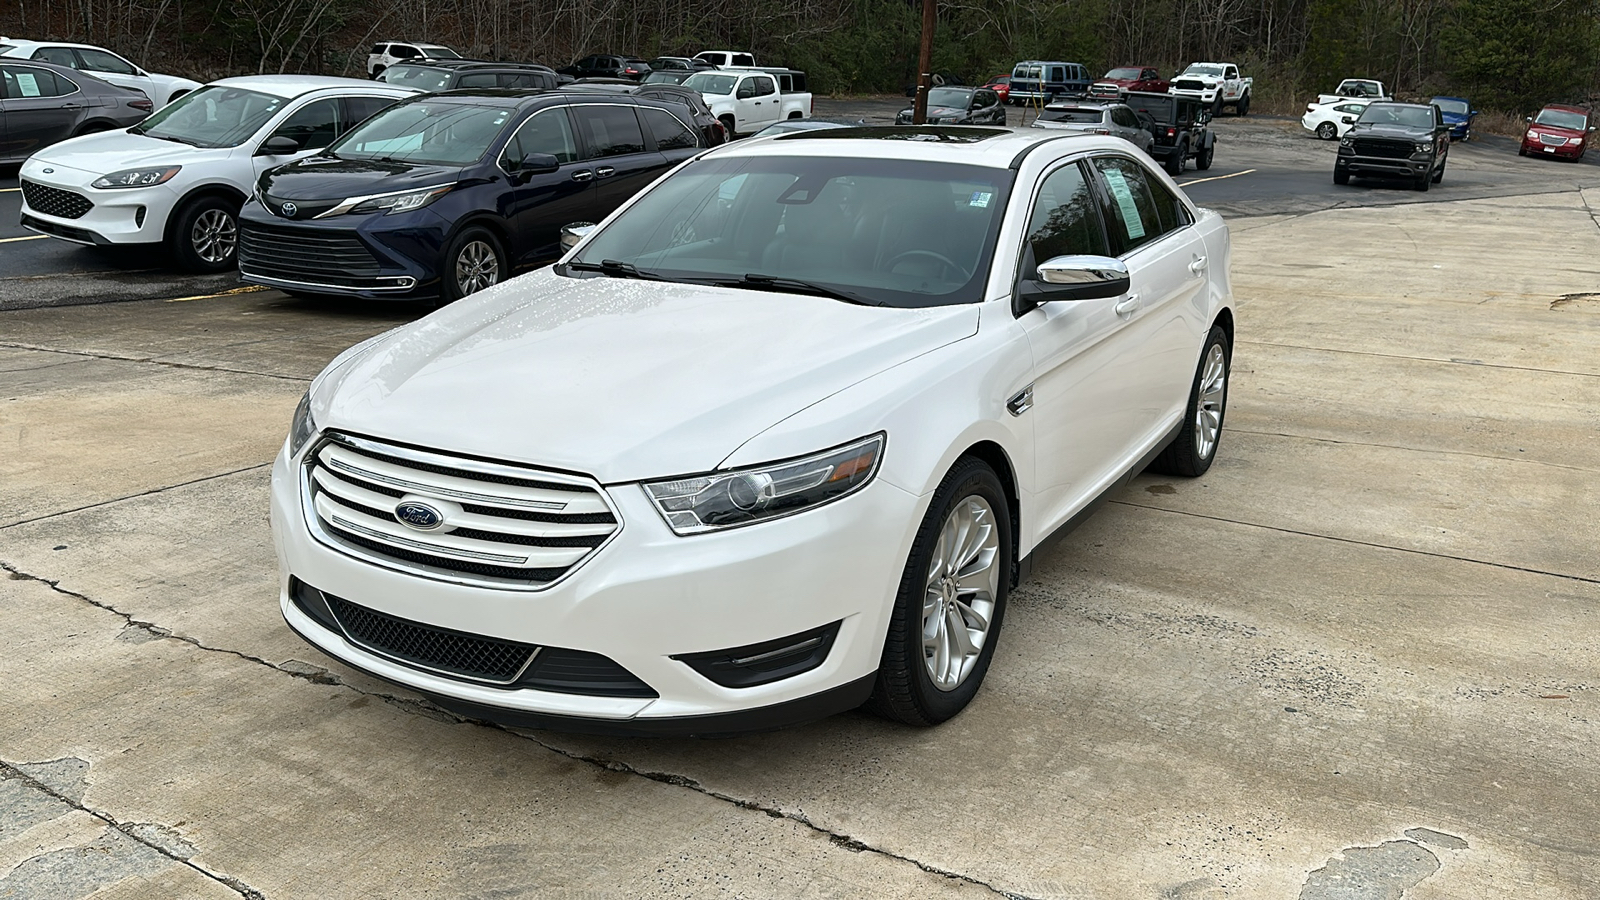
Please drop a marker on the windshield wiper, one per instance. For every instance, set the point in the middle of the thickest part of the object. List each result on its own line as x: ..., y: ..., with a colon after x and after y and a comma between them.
x: 612, y: 268
x: 168, y: 137
x: 796, y: 286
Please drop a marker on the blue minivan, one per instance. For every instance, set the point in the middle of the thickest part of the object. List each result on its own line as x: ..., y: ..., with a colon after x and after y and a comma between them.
x: 1037, y: 82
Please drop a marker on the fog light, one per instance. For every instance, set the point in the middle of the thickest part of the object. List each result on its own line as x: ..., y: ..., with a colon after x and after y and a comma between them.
x: 138, y: 217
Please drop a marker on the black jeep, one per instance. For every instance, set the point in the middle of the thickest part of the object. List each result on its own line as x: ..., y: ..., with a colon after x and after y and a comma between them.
x: 1395, y: 140
x: 1179, y: 126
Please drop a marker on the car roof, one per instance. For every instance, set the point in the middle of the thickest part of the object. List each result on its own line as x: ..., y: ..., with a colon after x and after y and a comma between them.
x: 23, y: 42
x: 449, y: 63
x: 1398, y: 103
x: 970, y: 145
x: 295, y: 85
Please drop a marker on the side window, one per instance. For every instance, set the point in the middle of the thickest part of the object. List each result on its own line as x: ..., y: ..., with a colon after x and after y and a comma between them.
x: 743, y: 59
x: 764, y: 86
x: 799, y: 83
x: 1149, y: 75
x: 359, y: 109
x: 26, y: 81
x: 609, y: 130
x: 747, y: 89
x: 1230, y: 72
x: 518, y: 80
x: 101, y: 61
x: 785, y: 86
x: 477, y: 80
x: 1141, y: 208
x: 61, y: 56
x: 670, y: 134
x: 401, y: 51
x: 547, y: 131
x: 313, y: 126
x: 1065, y: 220
x: 378, y: 49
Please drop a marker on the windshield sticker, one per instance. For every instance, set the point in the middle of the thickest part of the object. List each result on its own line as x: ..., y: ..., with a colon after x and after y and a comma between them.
x: 981, y: 199
x: 29, y: 84
x: 1124, y: 197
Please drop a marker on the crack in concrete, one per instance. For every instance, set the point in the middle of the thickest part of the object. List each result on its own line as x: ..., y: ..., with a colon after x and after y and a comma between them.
x: 132, y: 830
x: 1440, y: 450
x: 113, y: 357
x: 1360, y: 543
x: 317, y: 675
x: 157, y: 490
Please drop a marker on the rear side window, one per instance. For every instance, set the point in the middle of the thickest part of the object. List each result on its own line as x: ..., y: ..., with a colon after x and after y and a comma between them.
x: 478, y: 80
x: 101, y: 61
x: 669, y: 132
x: 1141, y: 208
x: 360, y: 109
x: 743, y: 59
x: 378, y: 49
x: 547, y: 131
x: 1065, y: 220
x: 313, y: 126
x: 401, y: 51
x: 609, y: 130
x: 61, y: 56
x: 22, y: 82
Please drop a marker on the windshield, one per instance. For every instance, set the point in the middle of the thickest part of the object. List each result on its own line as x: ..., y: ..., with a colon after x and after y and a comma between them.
x: 438, y: 52
x: 1561, y: 118
x: 1387, y: 114
x: 1026, y: 72
x: 1451, y: 106
x: 955, y: 97
x: 1203, y: 69
x: 890, y: 232
x: 1072, y: 114
x: 709, y: 83
x: 1123, y: 75
x: 423, y: 78
x: 436, y: 132
x: 212, y: 117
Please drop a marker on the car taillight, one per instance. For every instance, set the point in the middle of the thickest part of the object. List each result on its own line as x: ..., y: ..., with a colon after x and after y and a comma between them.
x: 1102, y: 131
x: 722, y: 131
x: 1172, y: 132
x: 142, y: 103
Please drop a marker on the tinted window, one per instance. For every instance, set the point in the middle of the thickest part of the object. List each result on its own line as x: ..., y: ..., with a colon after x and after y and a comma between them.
x: 1124, y: 116
x: 213, y: 116
x: 765, y: 86
x: 359, y: 109
x: 401, y: 51
x: 429, y: 131
x: 312, y: 126
x: 988, y: 98
x: 61, y: 56
x: 549, y: 132
x: 101, y: 61
x: 377, y: 49
x: 478, y: 80
x: 1084, y: 116
x: 670, y: 134
x: 609, y: 130
x: 1065, y: 220
x: 1141, y: 208
x: 423, y: 78
x: 743, y: 59
x: 27, y: 81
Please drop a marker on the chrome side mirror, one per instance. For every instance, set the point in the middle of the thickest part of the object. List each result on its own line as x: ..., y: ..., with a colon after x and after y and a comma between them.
x: 1081, y: 278
x: 573, y: 233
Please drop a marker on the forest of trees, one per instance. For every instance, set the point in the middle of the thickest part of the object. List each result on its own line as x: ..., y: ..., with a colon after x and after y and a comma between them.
x: 1511, y: 55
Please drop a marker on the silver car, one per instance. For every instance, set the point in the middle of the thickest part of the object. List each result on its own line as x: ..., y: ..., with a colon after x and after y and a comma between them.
x: 1115, y: 119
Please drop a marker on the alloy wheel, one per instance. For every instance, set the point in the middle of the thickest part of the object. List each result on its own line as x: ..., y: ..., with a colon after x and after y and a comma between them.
x: 1208, y: 407
x: 214, y: 236
x: 477, y: 267
x: 963, y: 582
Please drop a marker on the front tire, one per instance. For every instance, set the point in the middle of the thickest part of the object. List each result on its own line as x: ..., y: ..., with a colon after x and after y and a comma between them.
x: 727, y: 123
x: 1328, y: 131
x: 1191, y: 452
x: 1341, y: 176
x: 474, y: 261
x: 1439, y: 175
x: 205, y: 234
x: 952, y: 597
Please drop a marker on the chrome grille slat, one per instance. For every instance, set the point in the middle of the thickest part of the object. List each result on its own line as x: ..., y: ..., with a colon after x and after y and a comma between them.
x: 551, y: 523
x: 1552, y: 139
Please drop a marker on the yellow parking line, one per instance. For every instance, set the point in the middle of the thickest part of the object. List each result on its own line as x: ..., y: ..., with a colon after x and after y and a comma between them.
x: 247, y: 289
x: 8, y: 190
x: 1214, y: 178
x: 29, y: 237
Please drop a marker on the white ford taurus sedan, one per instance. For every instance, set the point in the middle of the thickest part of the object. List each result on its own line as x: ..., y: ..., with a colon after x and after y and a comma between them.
x: 773, y: 441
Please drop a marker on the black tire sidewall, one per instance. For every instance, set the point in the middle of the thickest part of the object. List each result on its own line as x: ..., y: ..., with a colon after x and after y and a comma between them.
x: 449, y: 290
x: 922, y: 703
x: 183, y: 229
x: 1182, y: 457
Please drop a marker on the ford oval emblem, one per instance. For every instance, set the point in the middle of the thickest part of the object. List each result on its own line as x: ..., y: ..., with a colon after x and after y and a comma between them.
x: 418, y: 515
x: 289, y: 209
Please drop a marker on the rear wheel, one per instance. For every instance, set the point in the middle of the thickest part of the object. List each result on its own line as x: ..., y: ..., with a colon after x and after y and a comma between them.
x: 727, y: 124
x: 473, y: 262
x: 947, y: 614
x: 1191, y: 453
x: 1178, y: 160
x: 1327, y: 131
x: 1203, y: 161
x: 1243, y: 106
x: 205, y: 234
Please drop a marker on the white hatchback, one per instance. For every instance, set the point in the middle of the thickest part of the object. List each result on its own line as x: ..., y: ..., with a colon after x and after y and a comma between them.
x: 179, y: 177
x: 774, y: 440
x: 103, y: 64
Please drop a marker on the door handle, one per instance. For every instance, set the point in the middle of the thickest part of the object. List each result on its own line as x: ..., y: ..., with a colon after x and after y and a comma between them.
x: 1198, y: 266
x: 1126, y: 305
x: 604, y: 171
x: 582, y: 175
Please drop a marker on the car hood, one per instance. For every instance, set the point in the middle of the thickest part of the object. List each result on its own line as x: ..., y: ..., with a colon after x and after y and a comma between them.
x: 110, y: 151
x: 1398, y: 132
x: 620, y: 379
x: 330, y: 178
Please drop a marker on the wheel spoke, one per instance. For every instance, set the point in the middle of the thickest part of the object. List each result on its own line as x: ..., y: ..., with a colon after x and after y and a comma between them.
x: 975, y: 620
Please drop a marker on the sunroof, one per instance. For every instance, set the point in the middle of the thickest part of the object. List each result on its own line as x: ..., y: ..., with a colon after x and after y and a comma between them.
x: 933, y: 134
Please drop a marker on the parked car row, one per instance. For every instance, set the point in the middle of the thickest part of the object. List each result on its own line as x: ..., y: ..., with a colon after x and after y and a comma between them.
x: 1169, y: 128
x: 102, y: 64
x: 42, y: 104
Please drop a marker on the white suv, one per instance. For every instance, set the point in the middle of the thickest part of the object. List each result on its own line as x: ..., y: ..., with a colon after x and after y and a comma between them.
x: 180, y: 176
x: 103, y: 64
x: 389, y: 53
x: 775, y: 439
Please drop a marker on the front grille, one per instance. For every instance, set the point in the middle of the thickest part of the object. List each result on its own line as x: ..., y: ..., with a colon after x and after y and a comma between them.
x: 42, y: 198
x: 1186, y: 85
x: 580, y: 672
x: 1383, y: 149
x: 502, y: 526
x: 441, y: 649
x: 1555, y: 140
x: 306, y: 255
x: 1105, y: 90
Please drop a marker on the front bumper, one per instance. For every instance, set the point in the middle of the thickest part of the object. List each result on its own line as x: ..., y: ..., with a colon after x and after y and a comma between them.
x: 119, y: 216
x: 1380, y: 166
x: 373, y: 257
x: 1206, y: 97
x: 642, y: 599
x: 1565, y: 151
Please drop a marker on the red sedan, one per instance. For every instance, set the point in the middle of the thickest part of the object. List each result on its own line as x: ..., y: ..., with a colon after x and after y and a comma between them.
x: 1001, y: 84
x: 1557, y: 130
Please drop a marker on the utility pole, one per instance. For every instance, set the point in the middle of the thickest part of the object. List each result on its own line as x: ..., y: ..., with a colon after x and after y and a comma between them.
x: 919, y: 109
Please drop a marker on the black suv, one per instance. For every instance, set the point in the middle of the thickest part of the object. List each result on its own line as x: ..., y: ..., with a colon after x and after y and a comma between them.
x: 1395, y: 140
x: 449, y: 74
x: 1180, y: 126
x: 446, y: 194
x: 608, y: 65
x: 699, y: 113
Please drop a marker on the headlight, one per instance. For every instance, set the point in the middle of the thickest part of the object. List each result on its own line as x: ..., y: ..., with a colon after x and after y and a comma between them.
x: 302, y: 428
x: 1424, y: 148
x: 728, y: 499
x: 1576, y: 140
x: 136, y: 178
x: 1347, y: 142
x: 399, y: 201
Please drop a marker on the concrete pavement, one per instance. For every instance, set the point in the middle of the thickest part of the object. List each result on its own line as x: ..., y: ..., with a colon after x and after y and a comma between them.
x: 1356, y: 659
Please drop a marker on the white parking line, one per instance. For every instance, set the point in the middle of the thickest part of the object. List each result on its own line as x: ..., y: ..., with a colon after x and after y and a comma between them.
x: 29, y: 237
x: 1214, y: 178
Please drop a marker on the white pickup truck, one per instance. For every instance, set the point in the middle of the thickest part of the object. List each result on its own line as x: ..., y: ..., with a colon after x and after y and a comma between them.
x: 1215, y: 85
x: 1356, y: 89
x: 748, y: 100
